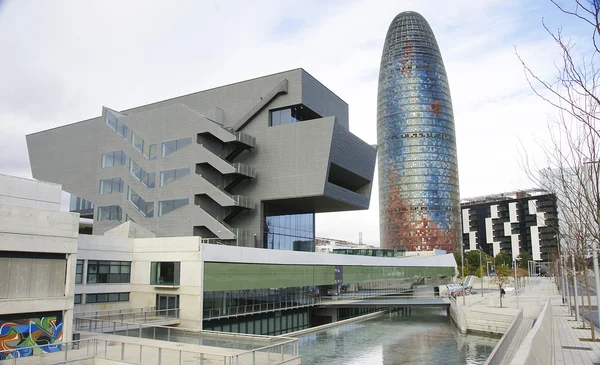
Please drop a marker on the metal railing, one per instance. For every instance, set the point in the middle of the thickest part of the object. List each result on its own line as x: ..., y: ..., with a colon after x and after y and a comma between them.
x: 246, y: 342
x: 137, y: 353
x: 113, y: 311
x: 499, y: 352
x: 150, y: 315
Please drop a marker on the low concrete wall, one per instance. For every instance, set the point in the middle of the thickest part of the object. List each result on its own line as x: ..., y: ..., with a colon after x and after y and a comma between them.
x: 534, y: 350
x: 488, y: 321
x: 457, y: 316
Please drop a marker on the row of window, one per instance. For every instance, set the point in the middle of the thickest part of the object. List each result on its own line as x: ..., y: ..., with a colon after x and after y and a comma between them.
x: 148, y: 150
x: 104, y: 298
x: 104, y: 272
x: 119, y: 272
x: 115, y: 212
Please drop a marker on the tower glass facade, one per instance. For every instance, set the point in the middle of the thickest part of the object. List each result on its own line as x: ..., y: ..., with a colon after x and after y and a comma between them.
x: 418, y: 172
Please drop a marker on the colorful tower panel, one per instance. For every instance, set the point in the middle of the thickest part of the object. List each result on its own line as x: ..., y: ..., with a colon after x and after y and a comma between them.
x: 419, y: 204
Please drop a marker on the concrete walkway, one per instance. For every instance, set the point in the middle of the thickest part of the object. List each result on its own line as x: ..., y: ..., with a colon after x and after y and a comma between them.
x: 568, y: 348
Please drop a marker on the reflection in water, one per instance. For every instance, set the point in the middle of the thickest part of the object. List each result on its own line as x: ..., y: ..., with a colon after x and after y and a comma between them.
x: 425, y: 337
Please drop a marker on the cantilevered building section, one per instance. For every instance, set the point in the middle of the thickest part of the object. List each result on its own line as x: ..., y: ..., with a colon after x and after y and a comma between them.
x: 246, y: 164
x: 418, y: 172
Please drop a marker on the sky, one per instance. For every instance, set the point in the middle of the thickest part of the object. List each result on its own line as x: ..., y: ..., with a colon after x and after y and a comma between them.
x: 61, y: 61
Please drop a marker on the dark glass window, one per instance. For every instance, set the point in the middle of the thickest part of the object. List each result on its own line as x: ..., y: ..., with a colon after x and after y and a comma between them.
x: 106, y: 297
x: 77, y: 298
x: 79, y: 272
x: 290, y: 232
x: 103, y: 272
x: 293, y: 114
x: 164, y: 273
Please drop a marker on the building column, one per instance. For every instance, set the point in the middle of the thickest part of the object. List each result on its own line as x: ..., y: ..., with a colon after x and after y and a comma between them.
x: 67, y: 330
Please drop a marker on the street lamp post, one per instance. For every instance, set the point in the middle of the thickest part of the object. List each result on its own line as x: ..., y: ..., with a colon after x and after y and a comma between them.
x: 481, y: 271
x: 516, y: 282
x: 462, y: 271
x: 575, y: 288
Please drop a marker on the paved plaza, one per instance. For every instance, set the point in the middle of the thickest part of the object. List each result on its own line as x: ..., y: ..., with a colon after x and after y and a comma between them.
x: 566, y: 334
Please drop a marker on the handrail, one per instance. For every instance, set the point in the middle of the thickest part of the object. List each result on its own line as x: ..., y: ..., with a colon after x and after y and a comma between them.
x: 114, y: 311
x: 499, y: 352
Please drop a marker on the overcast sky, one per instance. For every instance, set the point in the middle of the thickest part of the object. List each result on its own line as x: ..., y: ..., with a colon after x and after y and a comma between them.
x: 61, y: 61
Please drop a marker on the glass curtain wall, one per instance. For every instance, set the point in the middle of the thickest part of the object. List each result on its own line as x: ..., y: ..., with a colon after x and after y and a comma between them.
x: 293, y: 232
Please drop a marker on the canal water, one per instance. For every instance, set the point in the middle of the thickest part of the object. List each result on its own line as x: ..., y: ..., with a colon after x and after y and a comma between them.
x: 427, y: 336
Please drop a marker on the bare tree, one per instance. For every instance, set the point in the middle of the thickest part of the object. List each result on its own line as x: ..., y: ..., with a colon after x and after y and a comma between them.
x: 573, y: 153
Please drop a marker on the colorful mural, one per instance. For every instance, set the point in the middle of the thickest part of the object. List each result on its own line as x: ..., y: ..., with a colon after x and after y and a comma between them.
x: 18, y: 335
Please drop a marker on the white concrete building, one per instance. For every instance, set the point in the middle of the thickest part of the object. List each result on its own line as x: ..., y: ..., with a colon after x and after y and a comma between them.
x: 38, y: 250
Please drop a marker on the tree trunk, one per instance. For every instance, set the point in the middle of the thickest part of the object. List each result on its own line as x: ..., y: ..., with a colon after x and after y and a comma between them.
x: 582, y: 307
x: 587, y: 289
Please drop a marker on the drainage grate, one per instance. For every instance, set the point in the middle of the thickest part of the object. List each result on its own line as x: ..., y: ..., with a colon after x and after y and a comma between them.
x: 576, y: 348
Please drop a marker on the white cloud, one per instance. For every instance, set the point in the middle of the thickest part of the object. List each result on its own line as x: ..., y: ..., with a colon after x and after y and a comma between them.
x: 63, y: 60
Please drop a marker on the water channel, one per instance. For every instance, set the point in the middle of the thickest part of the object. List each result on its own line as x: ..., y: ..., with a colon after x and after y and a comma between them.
x: 427, y: 336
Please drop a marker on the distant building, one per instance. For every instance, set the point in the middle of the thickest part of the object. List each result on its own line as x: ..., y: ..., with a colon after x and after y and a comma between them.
x: 327, y: 245
x: 512, y: 222
x: 247, y: 164
x: 38, y: 251
x: 419, y: 206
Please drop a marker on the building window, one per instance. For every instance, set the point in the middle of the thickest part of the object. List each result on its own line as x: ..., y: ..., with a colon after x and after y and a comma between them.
x: 148, y: 150
x: 116, y: 158
x: 172, y: 175
x: 164, y: 273
x: 146, y: 208
x: 295, y: 232
x: 146, y: 178
x: 78, y: 204
x: 167, y: 206
x: 106, y: 297
x: 108, y: 272
x: 114, y: 185
x: 79, y: 272
x: 77, y: 298
x: 172, y: 146
x: 110, y: 213
x: 294, y: 114
x: 116, y: 125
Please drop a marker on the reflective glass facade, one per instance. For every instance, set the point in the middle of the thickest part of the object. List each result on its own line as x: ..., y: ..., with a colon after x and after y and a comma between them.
x: 418, y: 171
x: 294, y: 232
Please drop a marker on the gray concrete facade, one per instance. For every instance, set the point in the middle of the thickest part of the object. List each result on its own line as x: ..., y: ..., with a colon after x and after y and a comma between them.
x: 239, y: 165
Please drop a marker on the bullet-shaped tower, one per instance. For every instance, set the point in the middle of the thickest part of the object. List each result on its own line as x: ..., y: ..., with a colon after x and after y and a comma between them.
x: 419, y: 204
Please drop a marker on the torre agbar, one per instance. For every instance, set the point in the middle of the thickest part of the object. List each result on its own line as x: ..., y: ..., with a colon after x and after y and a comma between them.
x: 418, y: 171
